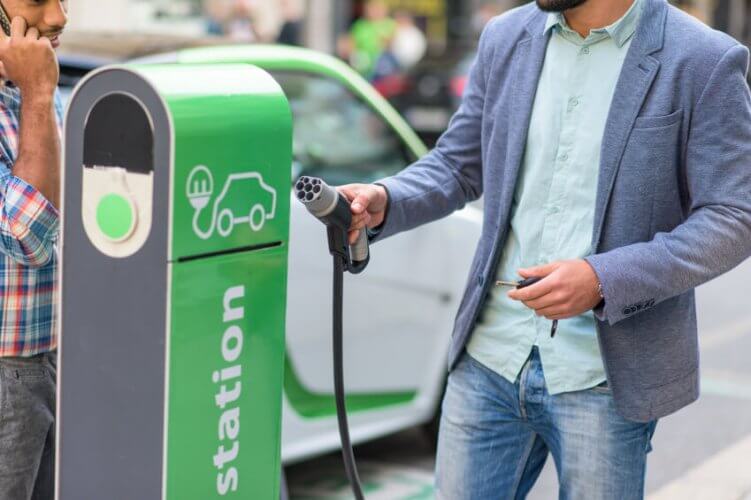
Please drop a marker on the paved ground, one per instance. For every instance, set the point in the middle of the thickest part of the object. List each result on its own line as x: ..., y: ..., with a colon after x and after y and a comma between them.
x: 700, y: 453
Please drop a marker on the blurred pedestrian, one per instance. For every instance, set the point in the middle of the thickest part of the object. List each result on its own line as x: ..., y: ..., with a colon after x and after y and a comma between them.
x: 409, y: 43
x: 217, y: 13
x: 612, y: 142
x: 370, y: 37
x: 241, y: 25
x: 291, y: 30
x: 30, y: 160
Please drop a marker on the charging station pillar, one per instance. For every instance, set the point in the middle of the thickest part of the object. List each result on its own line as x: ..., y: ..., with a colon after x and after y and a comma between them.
x: 174, y: 273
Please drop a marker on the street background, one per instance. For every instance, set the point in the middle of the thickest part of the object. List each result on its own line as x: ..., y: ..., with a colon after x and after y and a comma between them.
x: 433, y: 45
x: 703, y: 452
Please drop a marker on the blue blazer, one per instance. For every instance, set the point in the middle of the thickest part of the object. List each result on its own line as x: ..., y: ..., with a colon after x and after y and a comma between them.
x: 673, y: 205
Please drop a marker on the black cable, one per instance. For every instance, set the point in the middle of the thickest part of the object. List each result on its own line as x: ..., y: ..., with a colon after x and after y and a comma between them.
x: 341, y: 410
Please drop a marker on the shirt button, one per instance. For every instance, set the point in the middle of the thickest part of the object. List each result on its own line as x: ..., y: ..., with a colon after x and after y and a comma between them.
x: 572, y: 103
x: 564, y: 157
x: 585, y: 50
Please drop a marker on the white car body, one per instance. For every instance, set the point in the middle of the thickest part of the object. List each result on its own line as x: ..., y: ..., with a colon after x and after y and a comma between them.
x: 398, y: 320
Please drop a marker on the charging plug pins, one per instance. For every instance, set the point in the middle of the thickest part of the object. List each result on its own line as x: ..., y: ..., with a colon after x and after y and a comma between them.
x: 307, y: 189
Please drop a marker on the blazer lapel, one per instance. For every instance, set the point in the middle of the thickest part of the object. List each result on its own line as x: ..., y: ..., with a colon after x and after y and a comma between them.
x: 638, y: 74
x: 527, y: 67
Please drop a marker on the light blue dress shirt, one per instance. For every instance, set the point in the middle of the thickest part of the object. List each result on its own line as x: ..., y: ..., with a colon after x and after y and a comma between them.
x: 554, y: 202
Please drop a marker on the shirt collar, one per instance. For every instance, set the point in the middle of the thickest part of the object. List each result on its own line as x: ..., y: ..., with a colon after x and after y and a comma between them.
x: 620, y: 31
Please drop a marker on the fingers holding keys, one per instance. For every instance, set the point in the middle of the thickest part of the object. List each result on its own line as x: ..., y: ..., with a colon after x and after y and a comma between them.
x: 539, y: 271
x: 568, y: 288
x: 539, y: 289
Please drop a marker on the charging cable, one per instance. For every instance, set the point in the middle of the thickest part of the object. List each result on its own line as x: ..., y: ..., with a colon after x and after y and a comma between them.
x: 333, y: 210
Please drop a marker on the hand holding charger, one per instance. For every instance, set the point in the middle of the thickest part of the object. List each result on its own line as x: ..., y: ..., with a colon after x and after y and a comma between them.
x: 333, y: 209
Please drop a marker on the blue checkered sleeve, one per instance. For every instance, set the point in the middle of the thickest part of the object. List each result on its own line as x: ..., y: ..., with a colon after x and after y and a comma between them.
x: 28, y: 221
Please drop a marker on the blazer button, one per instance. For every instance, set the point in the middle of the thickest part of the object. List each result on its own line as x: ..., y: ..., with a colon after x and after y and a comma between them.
x: 628, y: 311
x: 480, y: 280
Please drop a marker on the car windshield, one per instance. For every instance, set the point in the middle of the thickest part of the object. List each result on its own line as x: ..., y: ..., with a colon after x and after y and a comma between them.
x: 337, y: 136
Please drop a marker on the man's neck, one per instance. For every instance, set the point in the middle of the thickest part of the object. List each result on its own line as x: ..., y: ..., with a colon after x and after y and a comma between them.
x: 596, y: 14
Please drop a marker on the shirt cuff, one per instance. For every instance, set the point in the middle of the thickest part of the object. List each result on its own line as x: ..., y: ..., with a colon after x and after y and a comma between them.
x: 29, y: 211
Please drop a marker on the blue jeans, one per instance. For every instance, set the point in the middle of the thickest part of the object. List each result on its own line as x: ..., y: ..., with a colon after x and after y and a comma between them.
x: 495, y: 437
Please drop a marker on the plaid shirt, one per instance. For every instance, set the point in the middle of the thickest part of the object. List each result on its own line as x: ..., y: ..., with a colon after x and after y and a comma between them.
x: 28, y: 236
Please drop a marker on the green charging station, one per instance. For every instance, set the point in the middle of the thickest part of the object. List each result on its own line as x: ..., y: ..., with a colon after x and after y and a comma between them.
x: 174, y: 274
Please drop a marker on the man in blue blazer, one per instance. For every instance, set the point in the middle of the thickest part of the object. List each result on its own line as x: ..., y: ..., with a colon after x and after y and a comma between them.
x: 611, y: 140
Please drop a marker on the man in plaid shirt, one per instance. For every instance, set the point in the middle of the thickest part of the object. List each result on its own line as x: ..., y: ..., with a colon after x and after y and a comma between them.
x: 30, y: 118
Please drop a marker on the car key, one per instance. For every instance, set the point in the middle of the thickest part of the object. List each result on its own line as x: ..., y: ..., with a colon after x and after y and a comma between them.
x: 518, y: 284
x: 524, y: 284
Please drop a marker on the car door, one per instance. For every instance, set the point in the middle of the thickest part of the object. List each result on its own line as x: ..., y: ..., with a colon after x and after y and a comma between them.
x: 398, y: 313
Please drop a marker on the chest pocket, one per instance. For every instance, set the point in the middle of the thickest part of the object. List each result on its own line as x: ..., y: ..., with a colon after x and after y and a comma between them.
x: 648, y: 167
x: 657, y: 122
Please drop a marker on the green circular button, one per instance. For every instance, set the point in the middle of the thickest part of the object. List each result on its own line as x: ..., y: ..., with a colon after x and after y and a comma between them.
x: 115, y: 217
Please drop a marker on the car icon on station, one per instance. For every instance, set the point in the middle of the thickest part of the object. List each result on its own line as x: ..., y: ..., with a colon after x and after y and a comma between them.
x: 245, y: 199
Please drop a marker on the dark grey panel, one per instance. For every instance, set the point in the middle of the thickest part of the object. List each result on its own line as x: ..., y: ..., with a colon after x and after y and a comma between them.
x: 113, y: 326
x: 119, y: 133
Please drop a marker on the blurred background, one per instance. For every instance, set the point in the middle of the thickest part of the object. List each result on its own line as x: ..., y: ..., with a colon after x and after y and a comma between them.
x: 323, y: 21
x: 416, y: 54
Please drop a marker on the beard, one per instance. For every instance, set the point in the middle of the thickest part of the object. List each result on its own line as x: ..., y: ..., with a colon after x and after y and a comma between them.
x: 558, y: 5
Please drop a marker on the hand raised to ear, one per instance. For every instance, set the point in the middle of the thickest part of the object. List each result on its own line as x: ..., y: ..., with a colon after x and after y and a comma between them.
x: 29, y: 61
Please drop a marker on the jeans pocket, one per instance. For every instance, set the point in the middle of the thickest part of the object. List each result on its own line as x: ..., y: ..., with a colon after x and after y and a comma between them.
x: 24, y: 384
x: 30, y: 373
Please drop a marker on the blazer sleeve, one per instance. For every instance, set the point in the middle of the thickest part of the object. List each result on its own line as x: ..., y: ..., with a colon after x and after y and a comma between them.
x: 449, y: 176
x: 716, y: 235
